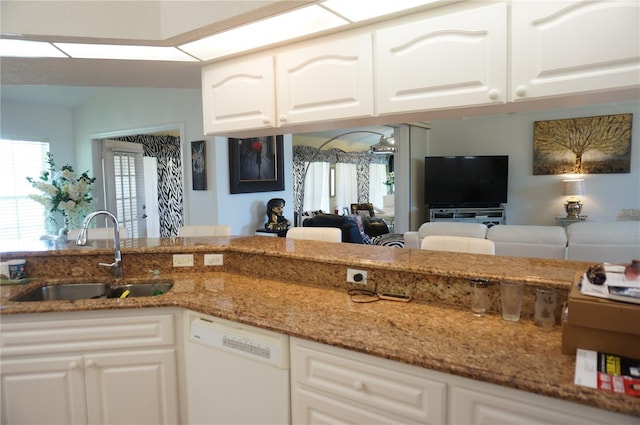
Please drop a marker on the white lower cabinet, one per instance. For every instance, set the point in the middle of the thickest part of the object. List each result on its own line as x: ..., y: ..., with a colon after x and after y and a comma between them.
x: 334, y: 385
x: 44, y: 390
x: 53, y: 372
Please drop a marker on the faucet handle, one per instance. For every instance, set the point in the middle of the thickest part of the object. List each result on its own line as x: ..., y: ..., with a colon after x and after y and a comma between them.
x: 112, y: 265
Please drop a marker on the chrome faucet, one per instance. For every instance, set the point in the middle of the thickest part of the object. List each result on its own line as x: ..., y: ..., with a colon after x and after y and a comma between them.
x: 82, y: 240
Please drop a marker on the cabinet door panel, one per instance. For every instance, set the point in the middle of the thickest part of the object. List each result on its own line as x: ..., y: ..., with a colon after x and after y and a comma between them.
x: 325, y: 81
x: 377, y: 384
x: 239, y: 95
x: 313, y: 408
x: 132, y: 387
x: 75, y: 333
x: 442, y: 62
x: 477, y: 405
x: 564, y: 47
x: 43, y: 391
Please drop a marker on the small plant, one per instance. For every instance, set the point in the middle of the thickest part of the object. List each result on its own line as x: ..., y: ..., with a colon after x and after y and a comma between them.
x: 64, y: 192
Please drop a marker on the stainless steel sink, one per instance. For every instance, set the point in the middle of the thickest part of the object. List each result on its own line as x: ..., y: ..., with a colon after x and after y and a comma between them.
x: 83, y: 291
x: 66, y: 291
x: 140, y: 289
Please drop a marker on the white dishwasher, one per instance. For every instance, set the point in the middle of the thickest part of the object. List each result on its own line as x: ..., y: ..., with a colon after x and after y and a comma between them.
x: 236, y: 374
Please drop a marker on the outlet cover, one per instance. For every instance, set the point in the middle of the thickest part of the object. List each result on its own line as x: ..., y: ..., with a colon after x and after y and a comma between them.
x: 213, y: 259
x: 182, y: 260
x: 359, y: 277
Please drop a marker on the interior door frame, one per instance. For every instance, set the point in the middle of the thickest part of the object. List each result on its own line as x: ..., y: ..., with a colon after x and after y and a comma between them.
x: 96, y: 153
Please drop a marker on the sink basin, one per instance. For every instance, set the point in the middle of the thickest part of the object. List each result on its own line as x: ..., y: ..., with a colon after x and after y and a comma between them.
x: 83, y: 291
x: 66, y: 291
x: 140, y: 289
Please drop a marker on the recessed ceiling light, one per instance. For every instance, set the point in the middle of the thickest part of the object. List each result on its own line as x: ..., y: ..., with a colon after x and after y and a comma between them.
x: 279, y: 28
x: 114, y: 51
x: 359, y: 10
x: 28, y: 49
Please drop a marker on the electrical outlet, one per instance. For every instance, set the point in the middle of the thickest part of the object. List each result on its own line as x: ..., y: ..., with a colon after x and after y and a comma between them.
x: 213, y: 259
x: 359, y: 277
x: 182, y: 260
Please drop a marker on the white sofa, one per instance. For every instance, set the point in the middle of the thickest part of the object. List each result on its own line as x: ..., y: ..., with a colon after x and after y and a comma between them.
x: 413, y: 239
x: 612, y: 242
x: 529, y: 241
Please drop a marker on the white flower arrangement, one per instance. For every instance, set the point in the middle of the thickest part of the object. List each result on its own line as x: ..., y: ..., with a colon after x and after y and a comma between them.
x: 64, y: 192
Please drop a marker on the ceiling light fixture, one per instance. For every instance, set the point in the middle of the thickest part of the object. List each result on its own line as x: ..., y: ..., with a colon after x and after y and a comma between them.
x: 360, y: 10
x: 128, y: 52
x: 28, y: 49
x: 287, y: 26
x: 279, y: 28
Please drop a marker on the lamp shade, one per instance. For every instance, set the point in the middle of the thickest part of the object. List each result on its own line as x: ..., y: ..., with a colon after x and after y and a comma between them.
x: 573, y: 187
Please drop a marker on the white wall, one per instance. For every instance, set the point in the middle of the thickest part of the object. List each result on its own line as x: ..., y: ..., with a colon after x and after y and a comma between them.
x: 532, y: 199
x: 44, y: 123
x: 132, y: 109
x: 247, y: 212
x: 538, y: 199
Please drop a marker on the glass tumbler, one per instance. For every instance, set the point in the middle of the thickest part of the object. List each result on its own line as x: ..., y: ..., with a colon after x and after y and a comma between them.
x: 545, y: 307
x: 479, y: 296
x: 511, y: 300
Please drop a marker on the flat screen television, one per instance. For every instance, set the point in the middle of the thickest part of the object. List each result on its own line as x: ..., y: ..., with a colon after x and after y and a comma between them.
x: 459, y: 181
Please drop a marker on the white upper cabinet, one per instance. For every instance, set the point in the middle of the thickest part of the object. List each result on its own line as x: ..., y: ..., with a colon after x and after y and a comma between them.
x: 326, y: 80
x: 566, y: 47
x: 453, y: 60
x: 238, y: 95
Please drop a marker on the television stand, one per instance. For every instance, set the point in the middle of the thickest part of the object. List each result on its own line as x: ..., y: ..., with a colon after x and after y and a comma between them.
x: 484, y: 215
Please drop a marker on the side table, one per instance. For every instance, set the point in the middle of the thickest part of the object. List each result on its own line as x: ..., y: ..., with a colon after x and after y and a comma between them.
x: 566, y: 221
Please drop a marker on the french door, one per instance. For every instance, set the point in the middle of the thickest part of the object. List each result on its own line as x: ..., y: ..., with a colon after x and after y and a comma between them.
x: 122, y: 167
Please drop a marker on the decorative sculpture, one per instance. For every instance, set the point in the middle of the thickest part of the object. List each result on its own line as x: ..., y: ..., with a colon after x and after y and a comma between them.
x: 276, y: 221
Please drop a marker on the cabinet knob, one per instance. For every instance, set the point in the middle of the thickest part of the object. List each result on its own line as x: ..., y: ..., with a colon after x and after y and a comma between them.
x: 282, y: 118
x: 73, y: 365
x: 521, y: 91
x: 90, y: 363
x: 358, y: 386
x: 266, y: 121
x: 494, y: 94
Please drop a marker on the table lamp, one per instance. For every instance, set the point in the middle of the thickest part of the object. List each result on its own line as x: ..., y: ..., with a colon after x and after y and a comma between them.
x: 573, y: 188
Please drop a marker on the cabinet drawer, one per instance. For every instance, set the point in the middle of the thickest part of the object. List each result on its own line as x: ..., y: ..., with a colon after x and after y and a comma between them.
x: 68, y: 332
x: 380, y: 384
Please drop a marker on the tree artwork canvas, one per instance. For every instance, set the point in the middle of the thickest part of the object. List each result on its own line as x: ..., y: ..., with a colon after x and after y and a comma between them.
x: 588, y: 145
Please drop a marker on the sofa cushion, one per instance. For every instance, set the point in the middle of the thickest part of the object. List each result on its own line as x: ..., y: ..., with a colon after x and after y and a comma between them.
x: 529, y: 240
x: 528, y: 234
x: 389, y: 239
x: 611, y: 242
x: 619, y: 232
x: 447, y: 228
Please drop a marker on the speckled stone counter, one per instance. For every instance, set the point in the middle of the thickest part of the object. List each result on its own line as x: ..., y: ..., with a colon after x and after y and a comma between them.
x: 299, y: 288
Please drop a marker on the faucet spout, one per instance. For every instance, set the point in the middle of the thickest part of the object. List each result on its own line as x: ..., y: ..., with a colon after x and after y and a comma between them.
x: 82, y: 240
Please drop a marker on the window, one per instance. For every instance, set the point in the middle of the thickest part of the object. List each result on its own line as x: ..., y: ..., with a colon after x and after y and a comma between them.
x: 21, y: 217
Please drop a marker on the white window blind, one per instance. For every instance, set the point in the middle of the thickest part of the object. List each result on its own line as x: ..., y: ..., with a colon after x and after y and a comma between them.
x: 21, y: 217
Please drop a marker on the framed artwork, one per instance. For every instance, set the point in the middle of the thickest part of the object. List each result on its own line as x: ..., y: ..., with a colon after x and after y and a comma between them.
x: 256, y: 164
x: 589, y: 145
x: 199, y: 165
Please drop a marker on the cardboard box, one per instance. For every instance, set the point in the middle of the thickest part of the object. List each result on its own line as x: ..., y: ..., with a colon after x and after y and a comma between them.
x: 603, y: 313
x: 603, y: 341
x: 600, y: 324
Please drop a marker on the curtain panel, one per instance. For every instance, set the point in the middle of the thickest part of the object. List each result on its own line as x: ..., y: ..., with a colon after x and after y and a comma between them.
x: 170, y: 196
x: 362, y: 160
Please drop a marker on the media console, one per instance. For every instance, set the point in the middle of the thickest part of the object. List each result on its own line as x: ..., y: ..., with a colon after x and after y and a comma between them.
x: 485, y: 215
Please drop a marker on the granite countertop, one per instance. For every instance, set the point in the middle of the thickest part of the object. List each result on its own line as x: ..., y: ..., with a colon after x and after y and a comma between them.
x: 434, y: 335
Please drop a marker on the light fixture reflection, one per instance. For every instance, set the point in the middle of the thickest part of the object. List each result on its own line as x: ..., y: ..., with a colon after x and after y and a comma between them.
x: 385, y: 145
x: 279, y: 28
